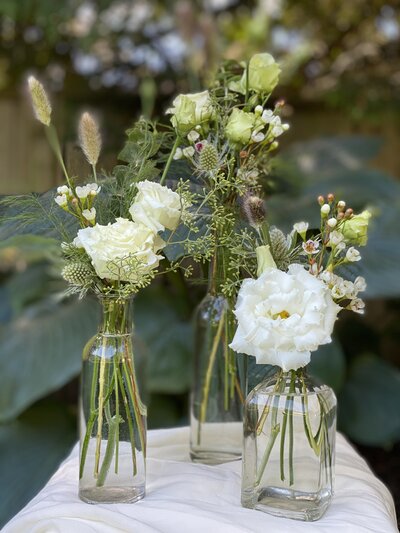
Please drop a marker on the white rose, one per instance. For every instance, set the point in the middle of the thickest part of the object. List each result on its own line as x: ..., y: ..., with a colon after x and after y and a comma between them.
x: 156, y: 206
x: 121, y: 251
x: 191, y: 110
x: 283, y: 317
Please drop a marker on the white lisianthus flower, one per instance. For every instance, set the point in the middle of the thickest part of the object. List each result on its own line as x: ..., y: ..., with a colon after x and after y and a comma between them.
x: 156, y: 206
x: 283, y: 317
x: 191, y: 110
x: 353, y: 255
x: 122, y: 251
x: 89, y: 214
x: 61, y: 200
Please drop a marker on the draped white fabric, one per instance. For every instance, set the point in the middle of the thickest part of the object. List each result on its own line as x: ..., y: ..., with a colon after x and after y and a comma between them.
x: 183, y: 497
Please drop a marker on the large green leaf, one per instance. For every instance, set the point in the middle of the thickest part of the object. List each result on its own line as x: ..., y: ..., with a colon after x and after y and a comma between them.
x: 369, y: 402
x: 328, y: 365
x: 165, y: 340
x: 31, y: 448
x: 41, y: 350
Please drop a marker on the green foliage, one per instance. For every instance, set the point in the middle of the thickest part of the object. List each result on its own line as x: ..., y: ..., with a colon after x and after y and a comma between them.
x: 369, y: 402
x: 31, y: 448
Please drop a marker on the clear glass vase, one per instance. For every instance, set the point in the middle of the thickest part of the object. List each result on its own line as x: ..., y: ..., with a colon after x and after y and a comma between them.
x: 289, y: 447
x: 217, y: 397
x: 112, y: 415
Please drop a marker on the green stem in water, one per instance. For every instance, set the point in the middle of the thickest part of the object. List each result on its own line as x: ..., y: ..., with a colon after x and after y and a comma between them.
x: 130, y: 425
x: 291, y: 391
x: 116, y: 417
x: 105, y: 467
x: 169, y: 161
x: 214, y: 349
x: 100, y: 418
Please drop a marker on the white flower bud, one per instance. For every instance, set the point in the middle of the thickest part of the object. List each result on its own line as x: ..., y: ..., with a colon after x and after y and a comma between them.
x: 193, y: 136
x: 341, y: 204
x: 188, y: 152
x: 285, y: 127
x: 178, y: 154
x: 325, y: 209
x: 360, y: 284
x: 332, y: 222
x: 258, y: 109
x: 267, y: 116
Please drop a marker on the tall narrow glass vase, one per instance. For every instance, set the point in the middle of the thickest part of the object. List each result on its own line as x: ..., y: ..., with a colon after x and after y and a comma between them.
x: 289, y: 447
x: 217, y: 397
x: 112, y: 415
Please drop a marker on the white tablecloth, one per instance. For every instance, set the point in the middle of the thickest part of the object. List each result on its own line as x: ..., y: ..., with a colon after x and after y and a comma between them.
x: 183, y: 497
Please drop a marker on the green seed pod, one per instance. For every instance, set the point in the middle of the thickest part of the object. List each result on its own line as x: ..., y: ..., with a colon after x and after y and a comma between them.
x: 76, y: 273
x: 208, y: 158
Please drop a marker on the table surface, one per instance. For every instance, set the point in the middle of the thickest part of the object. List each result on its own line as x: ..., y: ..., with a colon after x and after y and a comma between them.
x: 183, y: 497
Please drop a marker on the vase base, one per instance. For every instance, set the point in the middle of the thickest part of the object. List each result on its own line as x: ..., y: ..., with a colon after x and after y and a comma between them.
x: 95, y: 495
x: 287, y: 503
x: 209, y: 457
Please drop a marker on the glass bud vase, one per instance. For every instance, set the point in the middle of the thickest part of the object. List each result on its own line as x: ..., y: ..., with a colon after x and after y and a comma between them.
x: 217, y: 397
x: 289, y: 447
x: 112, y: 415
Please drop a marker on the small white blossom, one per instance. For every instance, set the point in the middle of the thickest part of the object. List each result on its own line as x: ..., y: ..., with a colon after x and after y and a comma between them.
x: 335, y: 238
x: 188, y: 151
x: 82, y: 192
x: 325, y: 209
x: 258, y: 109
x: 357, y: 306
x: 93, y: 188
x: 360, y: 284
x: 332, y: 222
x: 350, y: 291
x: 277, y: 131
x: 64, y: 189
x: 339, y: 248
x: 338, y: 291
x: 301, y: 228
x: 193, y: 136
x: 257, y: 137
x: 89, y: 214
x: 178, y: 154
x: 61, y: 200
x: 353, y: 255
x: 310, y: 247
x: 267, y: 116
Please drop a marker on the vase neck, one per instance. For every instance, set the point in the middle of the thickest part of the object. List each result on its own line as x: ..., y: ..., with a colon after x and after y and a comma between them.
x: 117, y: 315
x: 216, y: 272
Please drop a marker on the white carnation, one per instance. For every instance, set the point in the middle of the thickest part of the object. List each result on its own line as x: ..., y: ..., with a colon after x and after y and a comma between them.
x: 283, y: 317
x: 156, y: 206
x: 122, y: 251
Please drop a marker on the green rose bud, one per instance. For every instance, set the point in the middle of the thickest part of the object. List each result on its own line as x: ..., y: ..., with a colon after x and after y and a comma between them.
x: 263, y: 75
x: 240, y: 126
x: 355, y: 230
x: 191, y: 110
x: 264, y: 259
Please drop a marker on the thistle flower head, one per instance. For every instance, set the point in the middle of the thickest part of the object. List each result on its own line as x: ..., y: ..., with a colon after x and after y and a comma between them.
x: 76, y: 273
x: 40, y: 101
x: 89, y: 138
x: 208, y: 158
x: 254, y: 209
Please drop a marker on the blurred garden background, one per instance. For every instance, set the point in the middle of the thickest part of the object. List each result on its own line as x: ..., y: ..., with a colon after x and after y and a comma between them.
x: 124, y: 58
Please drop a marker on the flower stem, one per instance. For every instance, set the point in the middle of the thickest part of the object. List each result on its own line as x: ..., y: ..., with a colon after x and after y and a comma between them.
x: 130, y: 425
x: 101, y: 407
x: 169, y: 161
x: 116, y: 417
